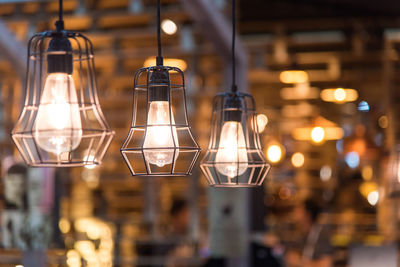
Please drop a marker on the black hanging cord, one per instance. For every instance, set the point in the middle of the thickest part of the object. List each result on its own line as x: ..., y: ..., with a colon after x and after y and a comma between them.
x: 234, y: 87
x: 60, y: 10
x: 159, y: 57
x: 60, y: 21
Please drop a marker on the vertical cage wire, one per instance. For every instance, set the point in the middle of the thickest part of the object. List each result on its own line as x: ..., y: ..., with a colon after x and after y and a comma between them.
x: 96, y: 134
x: 249, y: 167
x: 182, y: 148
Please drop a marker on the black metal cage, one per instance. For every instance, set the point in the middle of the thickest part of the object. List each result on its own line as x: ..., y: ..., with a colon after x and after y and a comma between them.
x: 160, y: 141
x: 234, y: 157
x: 61, y: 124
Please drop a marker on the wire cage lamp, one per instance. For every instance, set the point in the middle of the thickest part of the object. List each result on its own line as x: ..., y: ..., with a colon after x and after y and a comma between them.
x: 160, y: 141
x: 234, y: 157
x: 61, y: 124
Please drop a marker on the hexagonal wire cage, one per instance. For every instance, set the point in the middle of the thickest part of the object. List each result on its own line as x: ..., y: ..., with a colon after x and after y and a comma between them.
x: 61, y: 124
x: 160, y: 141
x: 234, y: 157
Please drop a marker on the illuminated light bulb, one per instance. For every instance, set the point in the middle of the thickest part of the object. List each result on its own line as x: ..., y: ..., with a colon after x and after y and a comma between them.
x: 340, y: 94
x: 58, y: 126
x: 274, y: 153
x: 317, y: 134
x: 231, y: 159
x: 161, y: 138
x: 298, y: 159
x: 169, y: 27
x: 373, y: 197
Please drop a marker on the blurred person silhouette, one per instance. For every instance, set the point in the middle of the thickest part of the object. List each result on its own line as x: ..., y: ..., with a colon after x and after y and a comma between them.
x: 180, y: 218
x: 15, y: 184
x: 313, y: 248
x: 13, y: 219
x: 266, y: 250
x: 174, y: 250
x: 181, y: 251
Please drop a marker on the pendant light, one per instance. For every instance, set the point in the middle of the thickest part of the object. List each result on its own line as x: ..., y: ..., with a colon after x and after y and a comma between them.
x: 339, y: 95
x: 318, y: 131
x: 160, y: 141
x: 61, y: 124
x: 234, y: 157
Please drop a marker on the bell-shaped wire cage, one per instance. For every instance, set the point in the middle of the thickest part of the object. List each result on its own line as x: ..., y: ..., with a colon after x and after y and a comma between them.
x: 61, y: 124
x: 234, y: 157
x: 160, y: 141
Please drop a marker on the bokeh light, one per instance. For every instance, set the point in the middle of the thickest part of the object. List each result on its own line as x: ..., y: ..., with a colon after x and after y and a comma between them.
x: 383, y: 122
x: 298, y: 159
x: 363, y: 106
x: 64, y: 225
x: 317, y: 134
x: 373, y: 197
x: 89, y: 158
x: 262, y: 121
x: 169, y: 27
x: 352, y: 159
x: 340, y: 95
x: 325, y: 173
x: 367, y: 173
x: 293, y: 76
x: 274, y: 153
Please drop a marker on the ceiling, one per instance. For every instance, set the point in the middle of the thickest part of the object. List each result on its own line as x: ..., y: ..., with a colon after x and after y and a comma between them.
x: 262, y: 10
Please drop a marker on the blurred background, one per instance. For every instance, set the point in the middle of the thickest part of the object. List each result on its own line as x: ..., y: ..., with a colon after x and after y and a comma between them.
x: 325, y: 78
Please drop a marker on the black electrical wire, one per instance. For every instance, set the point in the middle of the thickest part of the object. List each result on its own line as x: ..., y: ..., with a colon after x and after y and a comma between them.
x: 60, y: 22
x: 60, y: 10
x: 234, y: 87
x: 159, y: 57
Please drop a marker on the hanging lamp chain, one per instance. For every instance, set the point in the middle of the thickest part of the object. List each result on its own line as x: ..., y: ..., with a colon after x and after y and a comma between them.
x: 234, y: 87
x: 60, y: 21
x: 159, y: 60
